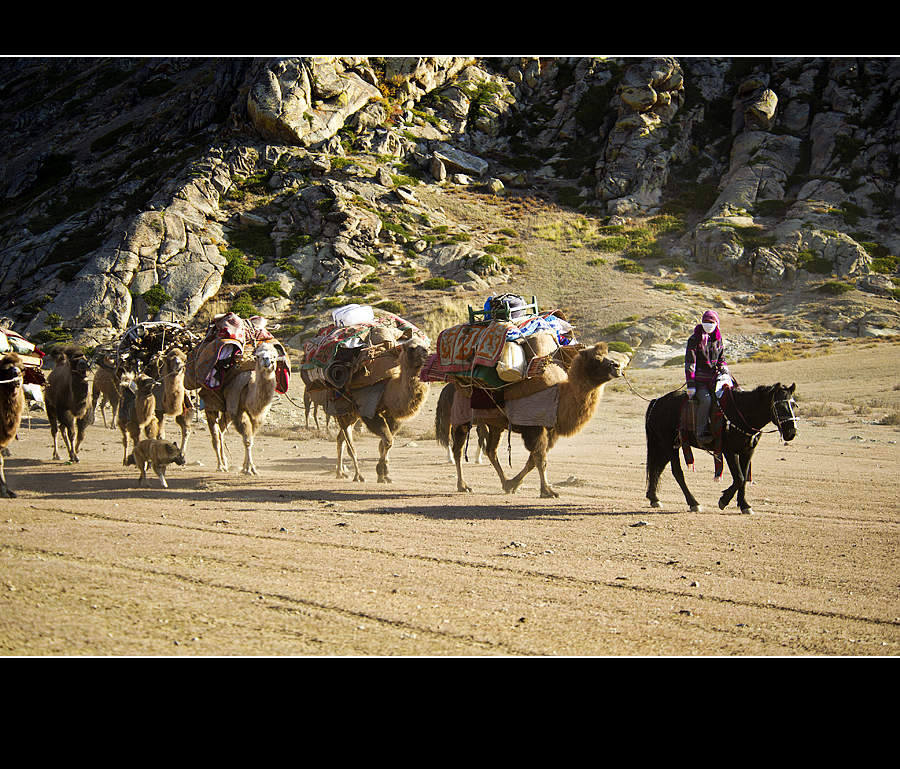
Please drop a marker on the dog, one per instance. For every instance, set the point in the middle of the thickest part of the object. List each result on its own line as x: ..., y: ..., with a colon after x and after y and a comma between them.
x: 155, y: 453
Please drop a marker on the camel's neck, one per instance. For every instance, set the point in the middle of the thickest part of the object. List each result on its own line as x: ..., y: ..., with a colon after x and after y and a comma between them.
x: 404, y: 396
x: 260, y: 391
x: 578, y: 401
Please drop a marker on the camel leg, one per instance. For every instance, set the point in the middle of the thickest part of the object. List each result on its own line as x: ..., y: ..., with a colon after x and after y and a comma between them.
x: 345, y: 434
x: 458, y: 435
x: 54, y: 428
x: 382, y: 429
x: 491, y: 443
x: 244, y: 427
x: 5, y: 491
x: 161, y: 425
x: 217, y: 438
x: 80, y: 427
x: 184, y: 422
x: 352, y: 449
x: 68, y: 434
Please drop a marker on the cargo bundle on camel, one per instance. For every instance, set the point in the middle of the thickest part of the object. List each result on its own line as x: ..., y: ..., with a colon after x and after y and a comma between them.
x: 238, y: 367
x: 515, y: 368
x: 365, y: 366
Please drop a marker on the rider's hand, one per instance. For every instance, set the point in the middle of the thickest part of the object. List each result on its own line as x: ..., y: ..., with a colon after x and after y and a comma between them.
x: 691, y: 391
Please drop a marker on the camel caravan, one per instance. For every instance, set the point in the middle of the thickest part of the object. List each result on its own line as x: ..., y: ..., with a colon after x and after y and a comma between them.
x: 511, y: 368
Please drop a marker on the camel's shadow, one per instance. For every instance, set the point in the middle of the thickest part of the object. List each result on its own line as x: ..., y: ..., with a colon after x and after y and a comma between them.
x: 85, y: 484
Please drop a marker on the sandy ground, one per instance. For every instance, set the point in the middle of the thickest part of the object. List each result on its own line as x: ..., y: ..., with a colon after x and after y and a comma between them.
x: 297, y: 562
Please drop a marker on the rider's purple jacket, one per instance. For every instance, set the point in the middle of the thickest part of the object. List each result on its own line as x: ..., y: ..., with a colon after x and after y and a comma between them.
x: 704, y: 357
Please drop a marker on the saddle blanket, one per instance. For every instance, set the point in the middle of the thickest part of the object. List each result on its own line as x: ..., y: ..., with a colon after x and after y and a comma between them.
x: 386, y: 329
x: 460, y: 348
x: 537, y: 410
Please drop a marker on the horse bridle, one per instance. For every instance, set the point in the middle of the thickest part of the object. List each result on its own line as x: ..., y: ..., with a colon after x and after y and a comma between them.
x: 785, y: 405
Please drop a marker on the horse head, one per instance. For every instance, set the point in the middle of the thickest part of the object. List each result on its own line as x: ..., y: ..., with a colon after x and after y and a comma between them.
x: 782, y: 405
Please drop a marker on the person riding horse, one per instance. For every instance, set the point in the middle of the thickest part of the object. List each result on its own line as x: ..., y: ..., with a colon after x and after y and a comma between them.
x: 704, y: 362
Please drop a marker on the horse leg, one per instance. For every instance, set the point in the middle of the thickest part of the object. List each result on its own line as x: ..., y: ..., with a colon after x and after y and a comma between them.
x: 675, y: 463
x: 739, y: 465
x: 458, y: 435
x: 656, y: 463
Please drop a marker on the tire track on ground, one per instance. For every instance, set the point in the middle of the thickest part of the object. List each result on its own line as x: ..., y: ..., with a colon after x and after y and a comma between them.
x: 481, y: 565
x: 486, y: 645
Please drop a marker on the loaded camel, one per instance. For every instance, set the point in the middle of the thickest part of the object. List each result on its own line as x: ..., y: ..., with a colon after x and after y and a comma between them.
x: 137, y: 409
x: 105, y: 388
x: 171, y: 396
x: 68, y: 400
x: 244, y: 400
x: 12, y: 404
x: 402, y: 399
x: 579, y: 395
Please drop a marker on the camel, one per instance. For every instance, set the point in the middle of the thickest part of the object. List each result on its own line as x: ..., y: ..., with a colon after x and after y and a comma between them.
x: 402, y: 399
x: 171, y: 397
x: 308, y: 404
x: 579, y: 395
x: 137, y: 409
x: 67, y: 400
x: 244, y: 400
x: 105, y: 388
x: 12, y: 404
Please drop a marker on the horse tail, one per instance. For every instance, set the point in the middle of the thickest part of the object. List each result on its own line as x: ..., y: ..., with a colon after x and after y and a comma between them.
x: 657, y: 454
x: 442, y: 416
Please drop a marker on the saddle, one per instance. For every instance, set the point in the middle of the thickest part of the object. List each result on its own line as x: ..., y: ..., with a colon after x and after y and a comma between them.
x: 687, y: 433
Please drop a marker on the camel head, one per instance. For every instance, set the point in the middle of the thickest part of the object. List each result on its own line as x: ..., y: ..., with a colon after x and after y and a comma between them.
x: 80, y: 365
x: 266, y: 357
x: 414, y: 355
x: 599, y: 365
x: 11, y: 370
x: 139, y: 384
x: 174, y: 361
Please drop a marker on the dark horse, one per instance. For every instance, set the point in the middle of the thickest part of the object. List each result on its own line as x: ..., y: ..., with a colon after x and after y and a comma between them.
x: 745, y: 414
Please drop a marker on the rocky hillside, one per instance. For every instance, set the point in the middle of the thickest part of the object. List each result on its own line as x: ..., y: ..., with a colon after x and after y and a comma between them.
x: 629, y: 191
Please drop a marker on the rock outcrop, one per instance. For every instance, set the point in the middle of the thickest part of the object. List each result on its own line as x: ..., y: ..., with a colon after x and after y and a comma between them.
x: 135, y: 188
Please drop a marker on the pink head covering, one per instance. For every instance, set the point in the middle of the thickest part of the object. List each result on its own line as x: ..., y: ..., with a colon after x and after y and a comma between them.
x: 710, y: 316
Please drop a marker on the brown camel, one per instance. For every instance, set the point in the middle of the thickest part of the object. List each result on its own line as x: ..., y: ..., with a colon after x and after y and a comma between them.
x: 579, y: 395
x: 309, y: 404
x: 171, y: 397
x: 402, y: 398
x: 68, y: 400
x: 12, y: 404
x: 137, y: 409
x: 244, y: 400
x: 105, y: 388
